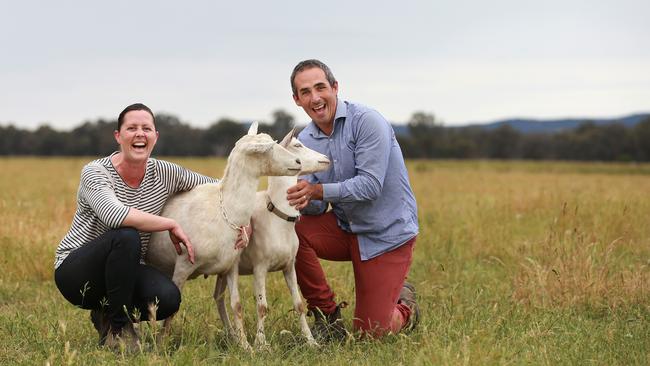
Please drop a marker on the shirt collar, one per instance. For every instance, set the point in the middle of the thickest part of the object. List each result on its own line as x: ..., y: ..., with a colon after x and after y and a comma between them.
x: 341, y: 110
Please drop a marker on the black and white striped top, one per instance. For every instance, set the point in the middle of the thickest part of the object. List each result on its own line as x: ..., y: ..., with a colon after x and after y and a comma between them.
x: 103, y: 202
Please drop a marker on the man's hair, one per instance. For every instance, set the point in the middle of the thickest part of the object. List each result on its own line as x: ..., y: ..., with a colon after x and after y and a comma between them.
x: 308, y: 64
x: 134, y: 107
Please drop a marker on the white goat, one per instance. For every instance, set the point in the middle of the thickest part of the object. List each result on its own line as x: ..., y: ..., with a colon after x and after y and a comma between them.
x: 213, y: 214
x: 274, y: 243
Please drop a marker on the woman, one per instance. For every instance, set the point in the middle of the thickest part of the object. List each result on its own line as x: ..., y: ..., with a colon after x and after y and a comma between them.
x: 99, y: 263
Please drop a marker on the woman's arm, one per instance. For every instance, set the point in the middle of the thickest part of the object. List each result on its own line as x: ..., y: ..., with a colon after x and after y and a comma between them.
x: 149, y: 223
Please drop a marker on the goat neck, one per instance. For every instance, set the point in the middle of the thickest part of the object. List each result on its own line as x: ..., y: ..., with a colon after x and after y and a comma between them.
x: 238, y: 186
x: 277, y: 191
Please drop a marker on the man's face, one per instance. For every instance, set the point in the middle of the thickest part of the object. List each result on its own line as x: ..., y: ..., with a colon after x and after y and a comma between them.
x: 316, y: 96
x: 137, y: 135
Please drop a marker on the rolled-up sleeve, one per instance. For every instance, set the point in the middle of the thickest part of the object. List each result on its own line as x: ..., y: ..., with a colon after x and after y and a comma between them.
x: 332, y: 192
x: 178, y: 179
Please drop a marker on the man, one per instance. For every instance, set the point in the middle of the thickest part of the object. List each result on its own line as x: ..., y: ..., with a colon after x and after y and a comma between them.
x: 373, y: 222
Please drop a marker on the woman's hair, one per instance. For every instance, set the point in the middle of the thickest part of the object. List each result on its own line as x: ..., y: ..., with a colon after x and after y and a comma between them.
x: 308, y: 64
x: 134, y: 107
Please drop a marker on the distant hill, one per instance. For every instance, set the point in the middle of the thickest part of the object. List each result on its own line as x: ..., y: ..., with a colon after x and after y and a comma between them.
x: 527, y: 125
x: 556, y: 125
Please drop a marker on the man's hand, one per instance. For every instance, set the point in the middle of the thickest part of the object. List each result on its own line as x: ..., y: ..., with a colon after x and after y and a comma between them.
x: 178, y: 237
x: 300, y: 194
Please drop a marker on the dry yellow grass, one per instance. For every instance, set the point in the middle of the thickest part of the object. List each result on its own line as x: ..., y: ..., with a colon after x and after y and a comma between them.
x: 565, y: 235
x: 493, y: 211
x: 539, y: 263
x: 37, y: 203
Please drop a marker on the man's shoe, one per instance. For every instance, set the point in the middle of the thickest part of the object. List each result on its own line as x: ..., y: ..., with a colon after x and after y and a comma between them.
x: 408, y: 297
x: 101, y: 324
x: 329, y: 327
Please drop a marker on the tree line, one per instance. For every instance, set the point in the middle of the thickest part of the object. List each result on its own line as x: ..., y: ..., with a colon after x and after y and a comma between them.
x: 424, y: 137
x: 589, y: 141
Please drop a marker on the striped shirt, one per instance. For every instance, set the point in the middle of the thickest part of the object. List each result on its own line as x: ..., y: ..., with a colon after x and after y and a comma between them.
x: 103, y: 201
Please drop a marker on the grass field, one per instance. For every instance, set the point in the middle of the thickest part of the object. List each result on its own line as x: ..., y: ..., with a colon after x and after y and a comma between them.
x: 516, y: 263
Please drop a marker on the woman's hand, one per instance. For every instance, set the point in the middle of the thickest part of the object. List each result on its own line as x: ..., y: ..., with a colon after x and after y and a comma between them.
x: 244, y: 235
x: 178, y: 237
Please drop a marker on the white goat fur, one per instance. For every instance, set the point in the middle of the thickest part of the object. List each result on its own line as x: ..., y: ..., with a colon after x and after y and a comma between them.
x: 274, y: 242
x: 199, y: 212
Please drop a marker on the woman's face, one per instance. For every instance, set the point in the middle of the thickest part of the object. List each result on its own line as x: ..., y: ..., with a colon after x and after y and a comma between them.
x: 137, y: 136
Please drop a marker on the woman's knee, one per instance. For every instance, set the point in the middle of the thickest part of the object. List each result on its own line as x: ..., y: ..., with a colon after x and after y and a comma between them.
x: 127, y: 238
x: 168, y: 301
x: 127, y: 235
x: 155, y: 291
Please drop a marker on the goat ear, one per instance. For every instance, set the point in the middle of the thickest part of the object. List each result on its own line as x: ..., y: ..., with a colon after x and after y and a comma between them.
x: 252, y: 130
x: 260, y: 148
x: 287, y: 139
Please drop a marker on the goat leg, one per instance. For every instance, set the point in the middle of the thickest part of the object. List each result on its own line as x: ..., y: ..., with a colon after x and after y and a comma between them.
x: 179, y: 278
x: 259, y: 280
x: 235, y: 304
x: 298, y: 305
x: 219, y: 292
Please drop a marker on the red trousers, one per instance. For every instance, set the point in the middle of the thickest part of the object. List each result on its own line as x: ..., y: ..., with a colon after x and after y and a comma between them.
x: 377, y: 281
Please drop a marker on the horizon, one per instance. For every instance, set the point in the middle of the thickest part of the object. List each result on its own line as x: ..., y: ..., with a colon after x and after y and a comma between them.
x: 304, y: 123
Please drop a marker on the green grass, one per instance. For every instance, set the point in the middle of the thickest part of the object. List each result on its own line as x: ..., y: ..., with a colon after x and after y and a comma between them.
x: 516, y: 263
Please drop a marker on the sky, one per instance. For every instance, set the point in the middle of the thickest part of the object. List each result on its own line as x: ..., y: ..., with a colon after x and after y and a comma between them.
x: 66, y: 62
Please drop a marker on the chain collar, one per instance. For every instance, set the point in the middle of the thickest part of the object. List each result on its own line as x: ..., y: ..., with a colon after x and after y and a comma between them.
x: 240, y: 229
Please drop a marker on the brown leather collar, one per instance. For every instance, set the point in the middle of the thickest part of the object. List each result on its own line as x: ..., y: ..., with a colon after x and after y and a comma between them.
x: 271, y: 207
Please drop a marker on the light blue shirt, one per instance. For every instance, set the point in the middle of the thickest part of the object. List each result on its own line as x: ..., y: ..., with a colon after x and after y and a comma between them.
x: 367, y: 184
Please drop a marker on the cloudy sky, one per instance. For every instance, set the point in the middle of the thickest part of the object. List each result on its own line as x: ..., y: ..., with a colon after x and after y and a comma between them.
x: 66, y: 62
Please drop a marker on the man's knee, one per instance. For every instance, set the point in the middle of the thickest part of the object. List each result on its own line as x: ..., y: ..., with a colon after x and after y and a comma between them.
x: 301, y: 229
x: 306, y: 227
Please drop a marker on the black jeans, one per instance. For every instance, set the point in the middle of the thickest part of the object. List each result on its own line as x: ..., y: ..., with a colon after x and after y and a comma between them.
x: 106, y: 274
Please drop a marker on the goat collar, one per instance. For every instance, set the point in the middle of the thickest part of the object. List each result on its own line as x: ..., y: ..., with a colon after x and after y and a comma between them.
x: 271, y: 207
x: 240, y: 229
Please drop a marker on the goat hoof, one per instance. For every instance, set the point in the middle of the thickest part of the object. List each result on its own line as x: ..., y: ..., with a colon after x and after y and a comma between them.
x: 313, y: 343
x: 263, y: 347
x: 246, y: 346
